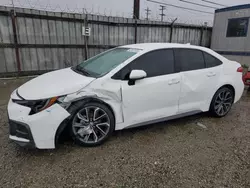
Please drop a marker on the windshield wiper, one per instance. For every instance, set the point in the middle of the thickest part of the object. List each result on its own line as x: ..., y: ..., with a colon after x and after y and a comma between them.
x: 81, y: 70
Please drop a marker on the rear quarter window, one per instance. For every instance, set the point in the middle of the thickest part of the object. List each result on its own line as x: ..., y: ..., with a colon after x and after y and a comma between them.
x: 211, y: 61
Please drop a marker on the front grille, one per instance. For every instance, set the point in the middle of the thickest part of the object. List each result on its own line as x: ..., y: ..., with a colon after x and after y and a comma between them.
x: 20, y: 130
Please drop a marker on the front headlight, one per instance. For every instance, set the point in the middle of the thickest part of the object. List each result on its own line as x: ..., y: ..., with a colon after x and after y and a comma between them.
x: 39, y: 105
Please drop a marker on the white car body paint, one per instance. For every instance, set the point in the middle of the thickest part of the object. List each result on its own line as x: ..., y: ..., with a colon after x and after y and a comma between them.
x: 148, y: 100
x: 53, y: 84
x: 158, y: 102
x: 107, y: 90
x: 195, y: 92
x: 43, y: 125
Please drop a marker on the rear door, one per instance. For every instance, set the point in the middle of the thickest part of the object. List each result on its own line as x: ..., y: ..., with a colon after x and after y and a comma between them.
x: 198, y: 80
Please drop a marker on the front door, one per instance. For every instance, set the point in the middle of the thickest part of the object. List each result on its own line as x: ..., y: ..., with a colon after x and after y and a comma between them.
x: 155, y: 96
x: 151, y: 98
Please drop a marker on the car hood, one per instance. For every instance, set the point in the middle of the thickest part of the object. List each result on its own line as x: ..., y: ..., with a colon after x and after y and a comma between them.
x: 52, y: 84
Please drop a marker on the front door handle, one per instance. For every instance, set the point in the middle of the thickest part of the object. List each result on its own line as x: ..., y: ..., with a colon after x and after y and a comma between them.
x: 173, y: 81
x: 210, y: 74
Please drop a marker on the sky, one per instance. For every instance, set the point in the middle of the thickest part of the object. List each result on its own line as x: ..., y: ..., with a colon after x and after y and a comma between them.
x: 124, y: 8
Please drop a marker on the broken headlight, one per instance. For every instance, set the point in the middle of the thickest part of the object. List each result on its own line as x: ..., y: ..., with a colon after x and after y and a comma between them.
x: 39, y: 105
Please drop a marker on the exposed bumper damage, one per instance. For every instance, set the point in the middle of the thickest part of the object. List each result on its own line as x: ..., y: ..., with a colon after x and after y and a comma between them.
x: 42, y: 126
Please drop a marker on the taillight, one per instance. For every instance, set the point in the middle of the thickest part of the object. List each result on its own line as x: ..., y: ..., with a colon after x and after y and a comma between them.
x: 240, y: 69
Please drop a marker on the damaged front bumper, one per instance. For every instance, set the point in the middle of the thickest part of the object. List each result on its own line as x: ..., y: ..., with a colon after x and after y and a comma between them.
x: 20, y: 133
x: 37, y: 130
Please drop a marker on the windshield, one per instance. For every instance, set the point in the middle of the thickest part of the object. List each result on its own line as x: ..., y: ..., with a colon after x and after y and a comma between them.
x: 105, y: 62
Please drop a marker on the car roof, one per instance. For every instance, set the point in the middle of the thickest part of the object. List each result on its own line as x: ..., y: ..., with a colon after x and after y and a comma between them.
x: 155, y: 46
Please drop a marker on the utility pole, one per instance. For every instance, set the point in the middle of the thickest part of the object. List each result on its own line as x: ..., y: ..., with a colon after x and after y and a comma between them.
x: 147, y: 13
x: 162, y: 12
x: 136, y: 13
x: 13, y: 5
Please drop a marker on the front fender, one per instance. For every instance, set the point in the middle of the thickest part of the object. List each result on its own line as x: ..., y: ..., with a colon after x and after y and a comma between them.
x: 112, y: 99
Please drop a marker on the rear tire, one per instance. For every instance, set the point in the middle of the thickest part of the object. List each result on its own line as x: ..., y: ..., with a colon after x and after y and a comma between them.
x: 91, y: 124
x: 222, y: 102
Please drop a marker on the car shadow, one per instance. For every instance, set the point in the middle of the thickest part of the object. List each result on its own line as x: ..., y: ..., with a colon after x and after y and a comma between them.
x: 158, y: 127
x: 66, y: 143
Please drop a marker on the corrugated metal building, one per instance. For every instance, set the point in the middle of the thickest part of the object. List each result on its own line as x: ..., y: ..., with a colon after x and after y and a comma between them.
x: 231, y: 33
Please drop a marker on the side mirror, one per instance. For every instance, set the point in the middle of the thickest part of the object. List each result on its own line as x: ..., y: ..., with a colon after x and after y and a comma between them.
x: 136, y: 75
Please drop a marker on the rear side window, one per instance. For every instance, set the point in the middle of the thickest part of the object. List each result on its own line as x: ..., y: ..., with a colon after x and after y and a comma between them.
x: 155, y: 63
x: 211, y: 61
x: 190, y: 59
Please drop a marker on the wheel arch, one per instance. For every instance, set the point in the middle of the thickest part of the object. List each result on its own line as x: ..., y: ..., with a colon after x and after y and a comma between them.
x: 229, y: 86
x: 65, y: 124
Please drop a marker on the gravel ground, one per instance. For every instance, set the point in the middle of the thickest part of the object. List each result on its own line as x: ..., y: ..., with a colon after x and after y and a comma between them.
x: 176, y: 153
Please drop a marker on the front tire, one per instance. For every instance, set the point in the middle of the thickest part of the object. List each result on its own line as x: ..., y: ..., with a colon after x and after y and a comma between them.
x: 92, y: 124
x: 222, y: 102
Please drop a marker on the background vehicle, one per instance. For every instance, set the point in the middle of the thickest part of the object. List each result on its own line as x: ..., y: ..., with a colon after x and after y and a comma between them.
x: 125, y: 87
x: 246, y: 78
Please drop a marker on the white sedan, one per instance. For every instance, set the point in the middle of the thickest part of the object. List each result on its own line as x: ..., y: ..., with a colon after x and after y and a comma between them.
x: 124, y: 87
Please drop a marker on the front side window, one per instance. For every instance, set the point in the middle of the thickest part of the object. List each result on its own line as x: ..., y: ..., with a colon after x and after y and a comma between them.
x: 211, y: 61
x: 237, y: 27
x: 105, y: 62
x: 190, y: 59
x: 155, y: 63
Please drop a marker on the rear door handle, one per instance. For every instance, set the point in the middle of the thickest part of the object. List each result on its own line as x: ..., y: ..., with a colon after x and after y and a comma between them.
x: 173, y: 81
x: 210, y: 74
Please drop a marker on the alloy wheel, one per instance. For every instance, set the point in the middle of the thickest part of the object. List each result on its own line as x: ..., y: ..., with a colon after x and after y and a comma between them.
x: 223, y: 102
x: 91, y: 124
